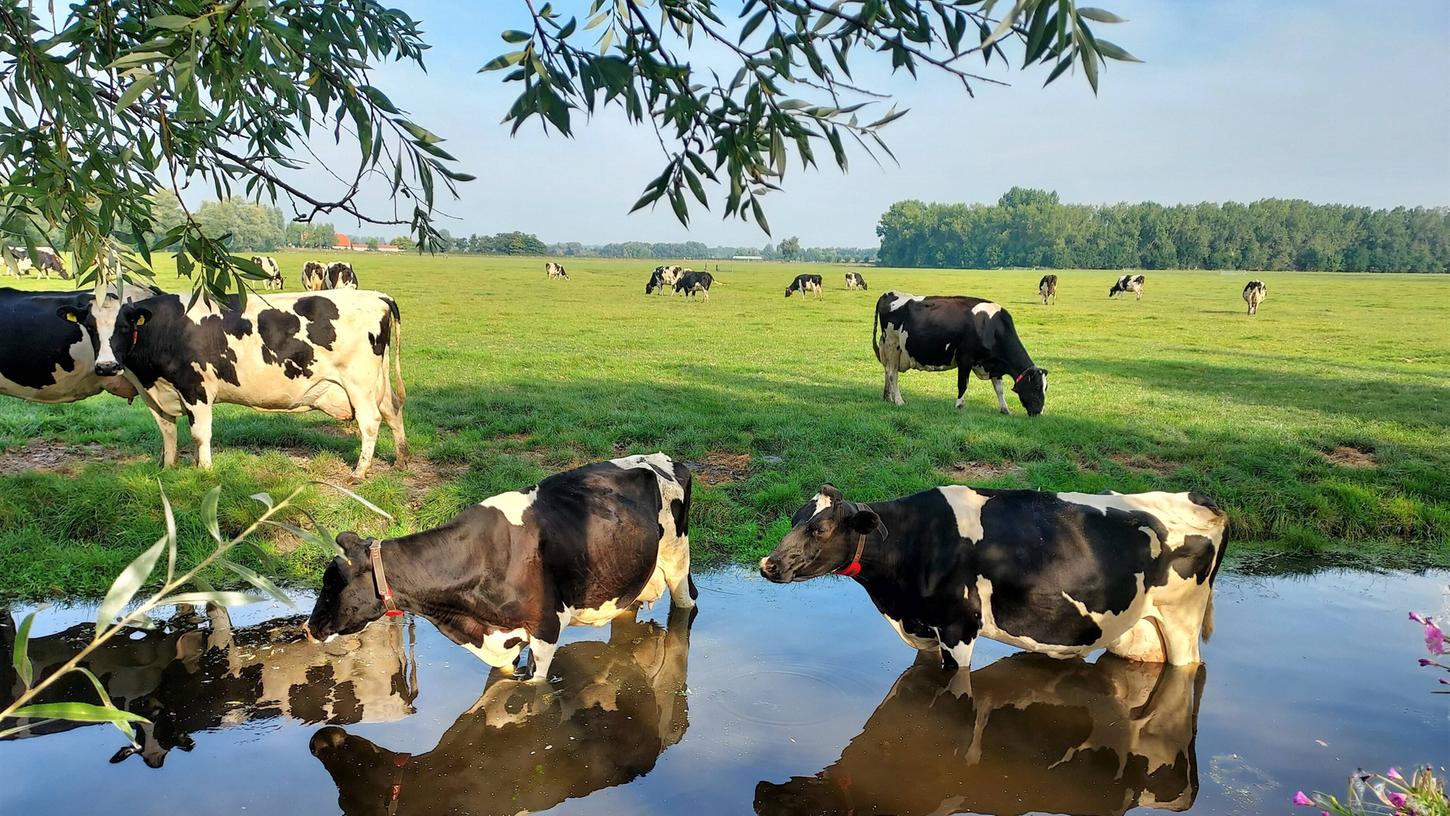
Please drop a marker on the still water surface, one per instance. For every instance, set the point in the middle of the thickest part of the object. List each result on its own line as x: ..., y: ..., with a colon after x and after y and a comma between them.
x: 776, y: 700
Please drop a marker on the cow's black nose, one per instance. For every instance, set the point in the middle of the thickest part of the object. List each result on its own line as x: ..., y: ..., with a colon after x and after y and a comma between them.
x: 108, y: 369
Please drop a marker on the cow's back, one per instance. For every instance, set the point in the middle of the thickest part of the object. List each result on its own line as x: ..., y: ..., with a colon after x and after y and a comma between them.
x: 43, y: 356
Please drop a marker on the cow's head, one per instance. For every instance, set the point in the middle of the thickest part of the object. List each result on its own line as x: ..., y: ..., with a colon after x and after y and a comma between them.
x: 120, y: 312
x: 790, y: 289
x: 655, y: 280
x: 824, y: 538
x: 1031, y: 388
x: 348, y: 600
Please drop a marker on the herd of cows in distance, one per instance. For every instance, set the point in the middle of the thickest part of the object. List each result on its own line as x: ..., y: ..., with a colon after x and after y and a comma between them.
x: 1062, y: 574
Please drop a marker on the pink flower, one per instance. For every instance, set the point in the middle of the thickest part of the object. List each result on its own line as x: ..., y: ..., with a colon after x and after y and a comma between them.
x: 1397, y: 799
x: 1415, y: 616
x: 1395, y: 775
x: 1434, y: 638
x: 1302, y: 800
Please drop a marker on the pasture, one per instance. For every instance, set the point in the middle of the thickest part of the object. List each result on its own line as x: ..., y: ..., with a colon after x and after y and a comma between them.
x: 1319, y: 424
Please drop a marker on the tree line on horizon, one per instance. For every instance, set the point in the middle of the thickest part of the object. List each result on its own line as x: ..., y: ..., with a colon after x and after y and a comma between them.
x: 1032, y: 228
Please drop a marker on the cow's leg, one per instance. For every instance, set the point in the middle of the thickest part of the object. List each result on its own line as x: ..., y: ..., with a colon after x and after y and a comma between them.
x: 964, y: 375
x: 201, y: 432
x: 167, y: 426
x: 369, y: 420
x: 542, y: 646
x: 1001, y: 398
x: 674, y: 558
x: 393, y: 414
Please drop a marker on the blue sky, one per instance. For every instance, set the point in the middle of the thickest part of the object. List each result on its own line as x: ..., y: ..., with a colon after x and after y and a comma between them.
x: 1329, y: 101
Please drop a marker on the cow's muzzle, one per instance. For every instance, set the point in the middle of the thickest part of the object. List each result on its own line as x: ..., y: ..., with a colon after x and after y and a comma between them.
x: 770, y: 571
x: 110, y: 369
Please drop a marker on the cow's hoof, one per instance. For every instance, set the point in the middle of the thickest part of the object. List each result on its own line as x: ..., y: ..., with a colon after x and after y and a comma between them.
x: 1004, y: 412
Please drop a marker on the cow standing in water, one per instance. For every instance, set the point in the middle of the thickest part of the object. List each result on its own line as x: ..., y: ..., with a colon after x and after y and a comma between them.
x: 49, y: 344
x: 314, y: 277
x: 1062, y: 574
x: 1047, y: 288
x: 1255, y: 292
x: 966, y: 333
x: 1128, y: 283
x: 341, y: 276
x: 855, y: 281
x: 581, y: 547
x: 805, y: 284
x: 290, y: 352
x: 555, y: 270
x: 269, y: 267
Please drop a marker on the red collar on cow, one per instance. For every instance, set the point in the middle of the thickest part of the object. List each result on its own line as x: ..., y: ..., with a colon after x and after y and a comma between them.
x: 1018, y: 379
x: 853, y: 569
x: 380, y: 578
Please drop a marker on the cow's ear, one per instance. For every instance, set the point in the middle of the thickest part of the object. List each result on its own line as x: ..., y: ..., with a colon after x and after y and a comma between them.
x: 353, y: 545
x: 830, y: 492
x: 1044, y: 371
x: 69, y: 313
x: 864, y: 521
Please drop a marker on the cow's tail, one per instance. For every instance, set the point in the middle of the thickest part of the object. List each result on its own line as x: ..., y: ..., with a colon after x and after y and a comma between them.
x: 1222, y: 519
x: 396, y: 353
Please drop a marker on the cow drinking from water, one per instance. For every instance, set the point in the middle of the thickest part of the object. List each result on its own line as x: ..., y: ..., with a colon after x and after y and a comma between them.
x: 854, y: 280
x: 1062, y: 574
x: 805, y: 284
x: 1255, y: 293
x: 1128, y: 283
x: 966, y: 333
x: 290, y: 352
x: 1047, y: 288
x: 580, y: 547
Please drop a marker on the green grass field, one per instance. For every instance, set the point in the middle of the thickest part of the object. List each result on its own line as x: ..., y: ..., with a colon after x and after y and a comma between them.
x: 1320, y: 424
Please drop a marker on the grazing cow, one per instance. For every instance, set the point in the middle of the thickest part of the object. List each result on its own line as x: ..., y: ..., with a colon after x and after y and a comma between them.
x: 1128, y: 283
x: 268, y: 265
x: 1025, y: 734
x: 855, y: 281
x: 292, y: 352
x: 1047, y: 288
x: 692, y: 283
x: 554, y: 270
x: 525, y: 748
x: 46, y: 260
x: 805, y: 284
x: 341, y: 276
x: 49, y: 343
x: 580, y: 547
x: 966, y: 333
x: 1062, y: 574
x: 314, y: 277
x: 663, y: 278
x: 1255, y: 292
x: 189, y: 679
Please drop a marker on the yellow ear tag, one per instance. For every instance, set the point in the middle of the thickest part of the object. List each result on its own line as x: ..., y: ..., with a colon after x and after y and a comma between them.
x: 141, y: 320
x: 71, y: 316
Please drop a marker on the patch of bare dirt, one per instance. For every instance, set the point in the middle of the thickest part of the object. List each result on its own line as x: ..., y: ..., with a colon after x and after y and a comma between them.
x: 1156, y: 465
x: 46, y: 456
x: 1351, y: 457
x: 974, y: 471
x: 720, y: 467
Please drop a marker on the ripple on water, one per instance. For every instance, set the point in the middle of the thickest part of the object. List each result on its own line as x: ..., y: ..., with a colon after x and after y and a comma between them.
x: 784, y: 697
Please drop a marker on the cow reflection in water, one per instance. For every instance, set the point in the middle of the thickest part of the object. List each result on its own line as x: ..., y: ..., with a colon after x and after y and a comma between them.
x: 1027, y: 733
x: 525, y: 747
x: 187, y: 678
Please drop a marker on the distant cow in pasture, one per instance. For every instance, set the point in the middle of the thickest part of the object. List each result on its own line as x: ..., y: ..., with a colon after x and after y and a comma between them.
x: 555, y: 270
x: 581, y: 547
x: 664, y: 278
x: 269, y: 268
x: 693, y: 283
x: 341, y: 276
x: 1062, y: 574
x: 1255, y: 292
x: 805, y: 284
x: 854, y: 280
x: 188, y: 679
x: 49, y: 343
x: 966, y: 333
x: 1047, y: 288
x: 1128, y: 283
x: 1025, y: 734
x: 46, y: 261
x: 314, y: 277
x: 292, y: 352
x: 525, y: 748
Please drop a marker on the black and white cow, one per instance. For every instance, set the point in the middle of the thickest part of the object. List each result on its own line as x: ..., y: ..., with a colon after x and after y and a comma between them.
x: 1025, y: 734
x: 525, y: 748
x: 854, y: 280
x: 1047, y: 288
x: 290, y: 352
x: 1062, y: 574
x: 341, y: 276
x: 664, y: 278
x: 580, y: 547
x: 1128, y: 283
x: 49, y: 343
x: 314, y: 277
x: 692, y: 283
x: 555, y: 270
x: 46, y: 260
x: 805, y: 284
x: 1255, y: 292
x: 966, y: 333
x: 269, y: 268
